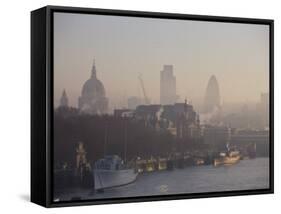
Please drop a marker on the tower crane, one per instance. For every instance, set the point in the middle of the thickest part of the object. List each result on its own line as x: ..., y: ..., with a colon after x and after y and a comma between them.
x: 146, y: 100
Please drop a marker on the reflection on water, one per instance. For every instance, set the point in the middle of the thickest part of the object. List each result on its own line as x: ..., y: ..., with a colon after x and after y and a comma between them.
x: 245, y: 175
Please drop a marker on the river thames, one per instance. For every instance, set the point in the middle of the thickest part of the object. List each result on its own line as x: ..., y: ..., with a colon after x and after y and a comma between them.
x: 245, y: 175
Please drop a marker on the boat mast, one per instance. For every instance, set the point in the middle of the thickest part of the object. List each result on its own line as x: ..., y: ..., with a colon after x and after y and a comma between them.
x: 125, y: 144
x: 105, y: 140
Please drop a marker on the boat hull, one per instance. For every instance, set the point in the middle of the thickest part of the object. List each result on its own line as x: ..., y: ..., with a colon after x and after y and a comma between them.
x: 226, y: 160
x: 113, y: 178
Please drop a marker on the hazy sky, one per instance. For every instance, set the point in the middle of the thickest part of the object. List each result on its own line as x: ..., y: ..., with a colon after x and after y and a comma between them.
x: 123, y: 47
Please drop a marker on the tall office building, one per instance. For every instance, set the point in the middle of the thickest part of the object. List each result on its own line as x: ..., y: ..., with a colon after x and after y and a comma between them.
x: 167, y: 86
x: 212, y: 96
x: 264, y: 108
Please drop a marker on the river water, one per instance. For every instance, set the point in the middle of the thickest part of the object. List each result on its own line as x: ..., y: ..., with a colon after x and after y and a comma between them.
x: 245, y: 175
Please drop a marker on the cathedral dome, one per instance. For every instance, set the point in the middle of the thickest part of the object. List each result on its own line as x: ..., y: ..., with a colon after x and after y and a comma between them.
x: 93, y: 88
x: 93, y: 99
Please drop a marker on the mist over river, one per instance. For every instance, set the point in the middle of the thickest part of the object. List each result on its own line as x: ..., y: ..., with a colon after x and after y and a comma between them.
x: 245, y: 175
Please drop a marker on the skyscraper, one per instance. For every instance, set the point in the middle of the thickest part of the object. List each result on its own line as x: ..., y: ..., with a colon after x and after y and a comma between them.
x: 167, y: 85
x: 93, y: 99
x: 264, y: 108
x: 64, y: 99
x: 212, y: 96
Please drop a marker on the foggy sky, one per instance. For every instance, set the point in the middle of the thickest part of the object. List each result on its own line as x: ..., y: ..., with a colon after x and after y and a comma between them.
x: 123, y: 47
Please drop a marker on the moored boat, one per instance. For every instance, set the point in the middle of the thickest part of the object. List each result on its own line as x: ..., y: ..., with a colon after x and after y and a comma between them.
x: 227, y: 158
x: 111, y: 171
x: 162, y: 164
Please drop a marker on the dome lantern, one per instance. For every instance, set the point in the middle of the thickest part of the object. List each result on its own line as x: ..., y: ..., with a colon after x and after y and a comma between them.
x: 94, y: 72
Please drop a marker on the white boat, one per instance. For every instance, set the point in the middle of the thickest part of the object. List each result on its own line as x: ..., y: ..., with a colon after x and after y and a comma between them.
x: 228, y: 158
x: 110, y: 171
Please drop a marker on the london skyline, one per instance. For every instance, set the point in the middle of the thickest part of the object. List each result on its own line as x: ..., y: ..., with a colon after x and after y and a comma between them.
x: 120, y: 46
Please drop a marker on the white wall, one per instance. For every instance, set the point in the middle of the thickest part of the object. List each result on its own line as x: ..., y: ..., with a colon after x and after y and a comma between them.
x: 15, y: 105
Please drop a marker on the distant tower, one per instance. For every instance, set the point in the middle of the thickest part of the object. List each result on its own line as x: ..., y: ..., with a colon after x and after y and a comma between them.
x: 64, y: 99
x: 167, y: 85
x: 81, y: 161
x: 212, y: 96
x: 93, y: 99
x: 264, y: 108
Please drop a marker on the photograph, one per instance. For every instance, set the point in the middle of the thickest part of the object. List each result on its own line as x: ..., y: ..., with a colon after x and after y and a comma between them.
x: 149, y: 106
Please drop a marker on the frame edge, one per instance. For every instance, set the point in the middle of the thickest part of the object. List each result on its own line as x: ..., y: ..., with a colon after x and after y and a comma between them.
x: 38, y: 107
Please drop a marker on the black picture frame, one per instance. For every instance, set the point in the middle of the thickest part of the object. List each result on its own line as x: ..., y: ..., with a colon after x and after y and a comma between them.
x: 42, y: 104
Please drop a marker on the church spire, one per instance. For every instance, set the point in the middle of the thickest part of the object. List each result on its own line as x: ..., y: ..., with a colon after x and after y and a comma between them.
x: 64, y: 99
x: 94, y: 72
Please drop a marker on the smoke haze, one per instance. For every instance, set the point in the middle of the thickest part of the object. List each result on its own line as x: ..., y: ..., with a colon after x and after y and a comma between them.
x: 124, y: 47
